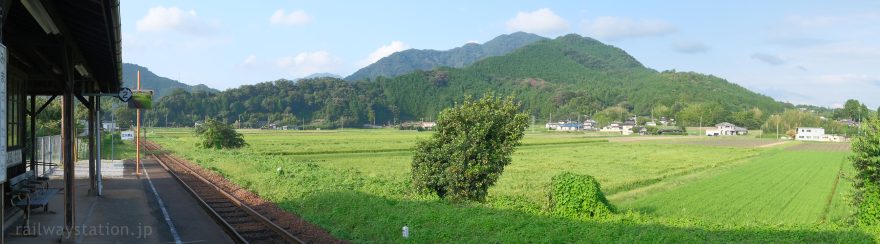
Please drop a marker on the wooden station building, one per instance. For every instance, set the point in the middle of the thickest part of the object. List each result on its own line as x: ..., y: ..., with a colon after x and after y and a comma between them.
x: 57, y: 49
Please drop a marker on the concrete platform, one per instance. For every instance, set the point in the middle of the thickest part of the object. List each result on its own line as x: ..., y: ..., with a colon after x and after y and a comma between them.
x: 127, y: 212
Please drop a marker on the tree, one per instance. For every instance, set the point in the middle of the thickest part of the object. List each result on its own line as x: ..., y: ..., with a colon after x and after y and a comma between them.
x: 473, y: 142
x: 694, y: 114
x: 612, y: 114
x: 219, y: 135
x: 853, y: 110
x: 866, y: 160
x: 791, y: 133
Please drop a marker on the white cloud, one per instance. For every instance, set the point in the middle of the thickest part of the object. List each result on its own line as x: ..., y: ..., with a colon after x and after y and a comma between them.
x: 830, y: 21
x: 769, y: 58
x: 846, y: 51
x: 249, y: 61
x: 174, y: 19
x: 296, y: 17
x: 384, y: 51
x: 616, y: 28
x: 848, y: 79
x: 541, y: 21
x: 307, y: 63
x: 690, y: 47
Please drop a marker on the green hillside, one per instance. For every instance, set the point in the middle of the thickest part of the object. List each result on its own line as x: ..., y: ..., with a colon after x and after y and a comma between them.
x: 411, y: 60
x: 161, y: 86
x: 566, y: 77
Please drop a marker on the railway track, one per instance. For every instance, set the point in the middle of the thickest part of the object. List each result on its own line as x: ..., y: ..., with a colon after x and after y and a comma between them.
x: 241, y: 222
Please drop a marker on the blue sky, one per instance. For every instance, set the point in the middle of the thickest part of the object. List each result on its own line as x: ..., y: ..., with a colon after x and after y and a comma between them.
x: 804, y: 52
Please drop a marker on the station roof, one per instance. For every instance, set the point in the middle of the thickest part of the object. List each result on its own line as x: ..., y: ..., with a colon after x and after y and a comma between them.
x: 37, y: 32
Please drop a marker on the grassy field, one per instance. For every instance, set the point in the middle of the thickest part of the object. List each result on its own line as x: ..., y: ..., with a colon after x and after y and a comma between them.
x: 782, y: 187
x: 355, y: 184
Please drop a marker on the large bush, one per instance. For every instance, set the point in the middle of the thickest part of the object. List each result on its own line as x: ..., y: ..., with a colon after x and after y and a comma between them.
x: 577, y: 196
x: 467, y: 153
x: 216, y: 134
x: 866, y: 159
x: 869, y: 207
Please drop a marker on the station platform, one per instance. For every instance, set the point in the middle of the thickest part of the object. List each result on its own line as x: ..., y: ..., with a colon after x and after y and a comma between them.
x: 128, y: 211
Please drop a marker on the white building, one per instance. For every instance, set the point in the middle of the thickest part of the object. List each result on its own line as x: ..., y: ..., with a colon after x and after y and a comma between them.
x: 622, y: 128
x: 816, y: 134
x: 428, y: 125
x: 613, y: 127
x: 810, y: 134
x: 727, y: 129
x: 590, y: 125
x: 109, y: 126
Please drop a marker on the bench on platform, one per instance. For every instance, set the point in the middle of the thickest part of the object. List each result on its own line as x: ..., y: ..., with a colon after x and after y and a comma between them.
x: 29, y: 192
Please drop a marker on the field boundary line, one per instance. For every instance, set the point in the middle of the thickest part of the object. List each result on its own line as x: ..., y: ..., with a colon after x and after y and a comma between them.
x: 388, y: 150
x: 831, y: 196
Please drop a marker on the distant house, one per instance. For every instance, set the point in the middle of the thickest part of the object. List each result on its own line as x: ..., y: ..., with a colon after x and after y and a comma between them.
x: 816, y: 134
x: 666, y: 121
x: 109, y: 126
x: 569, y: 127
x: 552, y: 126
x: 650, y: 123
x: 428, y: 125
x: 727, y: 129
x: 613, y: 127
x: 627, y: 127
x: 590, y: 124
x: 622, y: 128
x: 848, y: 122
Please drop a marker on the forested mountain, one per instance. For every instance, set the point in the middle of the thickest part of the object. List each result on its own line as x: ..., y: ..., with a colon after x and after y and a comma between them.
x: 566, y: 77
x: 161, y: 86
x: 413, y: 59
x: 322, y: 75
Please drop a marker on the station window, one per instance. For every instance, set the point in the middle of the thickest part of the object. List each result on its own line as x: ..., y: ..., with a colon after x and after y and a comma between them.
x: 13, y: 114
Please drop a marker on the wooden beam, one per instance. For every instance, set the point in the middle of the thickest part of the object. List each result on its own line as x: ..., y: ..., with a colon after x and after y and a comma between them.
x: 84, y: 101
x: 44, y: 105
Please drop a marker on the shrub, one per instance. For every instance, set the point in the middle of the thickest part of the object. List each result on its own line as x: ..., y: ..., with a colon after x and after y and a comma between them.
x: 467, y: 153
x: 577, y: 196
x: 869, y: 209
x: 218, y: 135
x: 866, y: 159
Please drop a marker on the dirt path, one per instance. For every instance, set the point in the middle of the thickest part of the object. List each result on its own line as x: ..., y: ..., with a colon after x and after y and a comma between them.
x: 774, y: 144
x: 643, y: 138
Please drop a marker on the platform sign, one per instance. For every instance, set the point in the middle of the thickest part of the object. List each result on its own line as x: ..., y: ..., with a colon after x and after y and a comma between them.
x: 142, y: 99
x: 3, y: 113
x: 127, y: 135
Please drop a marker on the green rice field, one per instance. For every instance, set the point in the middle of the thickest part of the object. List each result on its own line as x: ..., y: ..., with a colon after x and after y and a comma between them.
x: 355, y: 184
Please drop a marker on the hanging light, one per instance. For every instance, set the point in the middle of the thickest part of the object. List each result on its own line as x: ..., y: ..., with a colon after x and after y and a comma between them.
x: 35, y: 7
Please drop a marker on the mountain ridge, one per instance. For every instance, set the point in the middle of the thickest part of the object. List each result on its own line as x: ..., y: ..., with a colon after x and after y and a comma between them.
x: 410, y: 60
x: 567, y: 77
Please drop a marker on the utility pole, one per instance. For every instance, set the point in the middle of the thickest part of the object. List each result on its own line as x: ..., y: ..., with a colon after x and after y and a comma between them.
x: 777, y: 126
x: 860, y: 120
x: 701, y: 126
x: 112, y: 130
x: 137, y: 138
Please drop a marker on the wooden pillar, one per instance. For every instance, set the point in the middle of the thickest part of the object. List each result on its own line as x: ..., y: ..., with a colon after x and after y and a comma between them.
x: 67, y: 160
x: 99, y: 128
x: 33, y: 134
x: 68, y: 149
x: 92, y: 129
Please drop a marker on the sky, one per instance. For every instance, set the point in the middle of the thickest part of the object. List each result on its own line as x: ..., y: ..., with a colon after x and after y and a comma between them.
x: 803, y: 52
